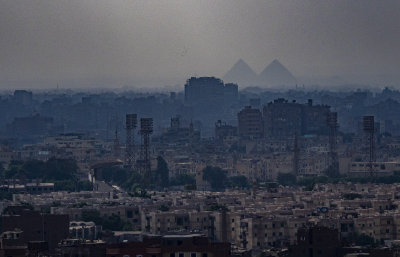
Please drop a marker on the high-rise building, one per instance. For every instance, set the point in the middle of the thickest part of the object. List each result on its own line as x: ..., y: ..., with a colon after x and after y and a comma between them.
x: 209, y: 90
x: 23, y: 97
x: 250, y: 123
x: 283, y: 119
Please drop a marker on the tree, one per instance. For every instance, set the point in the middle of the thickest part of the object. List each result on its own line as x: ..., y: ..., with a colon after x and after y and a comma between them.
x: 92, y: 215
x: 133, y: 182
x: 183, y: 179
x: 112, y: 222
x: 60, y: 169
x: 361, y: 239
x: 114, y: 174
x: 238, y: 181
x: 286, y: 179
x: 162, y: 172
x: 216, y: 176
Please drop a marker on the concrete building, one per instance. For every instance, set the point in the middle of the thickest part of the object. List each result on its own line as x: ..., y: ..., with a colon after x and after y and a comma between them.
x: 36, y: 226
x: 283, y: 119
x: 250, y: 124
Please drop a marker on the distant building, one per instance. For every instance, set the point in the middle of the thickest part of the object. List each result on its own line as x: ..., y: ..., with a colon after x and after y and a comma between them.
x: 223, y: 131
x: 176, y: 134
x: 23, y: 97
x: 206, y: 90
x: 283, y: 119
x: 31, y: 188
x: 32, y: 126
x: 250, y: 123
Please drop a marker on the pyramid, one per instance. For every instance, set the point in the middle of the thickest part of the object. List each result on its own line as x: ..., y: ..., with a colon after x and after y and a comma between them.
x: 241, y: 74
x: 275, y: 74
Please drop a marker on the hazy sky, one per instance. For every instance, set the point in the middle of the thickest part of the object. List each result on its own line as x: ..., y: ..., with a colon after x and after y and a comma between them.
x: 115, y: 42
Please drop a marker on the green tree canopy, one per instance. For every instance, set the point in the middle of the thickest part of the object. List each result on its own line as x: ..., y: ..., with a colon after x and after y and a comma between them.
x: 238, y: 181
x: 161, y: 173
x: 183, y: 179
x: 216, y: 176
x: 286, y: 179
x: 53, y: 169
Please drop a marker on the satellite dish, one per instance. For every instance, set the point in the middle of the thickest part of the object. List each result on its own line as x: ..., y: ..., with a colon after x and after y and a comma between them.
x: 324, y: 209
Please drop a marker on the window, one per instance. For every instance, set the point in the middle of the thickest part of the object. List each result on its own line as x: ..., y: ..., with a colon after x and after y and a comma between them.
x: 172, y: 255
x: 233, y: 229
x: 233, y: 220
x: 181, y: 255
x: 204, y: 255
x: 193, y: 255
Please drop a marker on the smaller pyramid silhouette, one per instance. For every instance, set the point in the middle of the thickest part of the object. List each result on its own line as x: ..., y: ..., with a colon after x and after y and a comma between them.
x: 275, y: 74
x: 241, y: 74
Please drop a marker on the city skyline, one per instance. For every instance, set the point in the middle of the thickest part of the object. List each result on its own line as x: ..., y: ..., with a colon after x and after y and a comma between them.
x: 149, y: 44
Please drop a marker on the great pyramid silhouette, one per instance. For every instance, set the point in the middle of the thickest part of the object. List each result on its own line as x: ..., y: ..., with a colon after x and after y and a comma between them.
x: 275, y: 74
x: 242, y: 74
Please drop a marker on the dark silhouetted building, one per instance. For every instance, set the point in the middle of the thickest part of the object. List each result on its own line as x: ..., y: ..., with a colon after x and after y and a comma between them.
x: 32, y: 126
x: 82, y: 248
x: 36, y: 226
x: 171, y: 245
x: 205, y: 90
x: 23, y: 97
x: 316, y: 241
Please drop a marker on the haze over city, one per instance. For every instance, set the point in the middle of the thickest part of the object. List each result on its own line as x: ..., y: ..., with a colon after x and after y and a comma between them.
x: 156, y: 43
x: 199, y: 128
